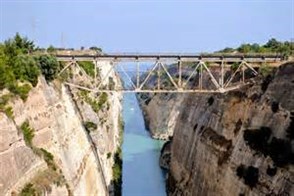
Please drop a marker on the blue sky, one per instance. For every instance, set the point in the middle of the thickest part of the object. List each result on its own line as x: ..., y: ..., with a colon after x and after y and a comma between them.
x: 148, y: 26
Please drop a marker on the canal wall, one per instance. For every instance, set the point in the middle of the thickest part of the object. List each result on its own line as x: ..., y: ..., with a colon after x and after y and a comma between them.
x: 73, y: 145
x: 237, y: 143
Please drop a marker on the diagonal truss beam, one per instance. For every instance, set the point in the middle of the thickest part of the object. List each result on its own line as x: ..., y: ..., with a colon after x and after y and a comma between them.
x: 149, y: 74
x: 214, y: 81
x: 127, y: 75
x: 189, y: 78
x: 67, y: 66
x: 169, y: 76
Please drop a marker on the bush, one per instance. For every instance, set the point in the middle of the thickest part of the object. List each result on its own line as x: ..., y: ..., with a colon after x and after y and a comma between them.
x: 265, y: 70
x: 48, y: 158
x: 108, y: 155
x: 117, y: 172
x: 21, y: 91
x: 28, y: 190
x: 90, y: 126
x: 9, y: 112
x: 103, y: 98
x: 49, y: 66
x: 25, y: 69
x: 88, y: 67
x: 28, y: 133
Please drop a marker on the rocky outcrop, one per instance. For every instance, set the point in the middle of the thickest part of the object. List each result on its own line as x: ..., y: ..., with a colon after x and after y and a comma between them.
x: 58, y: 116
x: 160, y: 113
x: 237, y: 143
x: 165, y: 155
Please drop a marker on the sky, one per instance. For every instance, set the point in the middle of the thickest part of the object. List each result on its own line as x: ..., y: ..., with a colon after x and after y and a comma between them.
x: 148, y: 25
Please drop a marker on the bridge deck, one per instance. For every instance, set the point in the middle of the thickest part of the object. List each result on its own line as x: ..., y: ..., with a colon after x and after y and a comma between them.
x: 131, y: 57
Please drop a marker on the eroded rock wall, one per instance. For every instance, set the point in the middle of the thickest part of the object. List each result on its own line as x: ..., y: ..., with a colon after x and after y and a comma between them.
x: 209, y: 151
x: 57, y: 115
x: 160, y: 113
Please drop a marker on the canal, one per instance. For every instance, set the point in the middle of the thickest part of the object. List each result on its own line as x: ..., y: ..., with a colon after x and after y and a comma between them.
x: 141, y: 175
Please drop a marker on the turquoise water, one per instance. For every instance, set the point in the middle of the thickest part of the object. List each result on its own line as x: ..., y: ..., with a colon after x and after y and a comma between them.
x: 141, y: 172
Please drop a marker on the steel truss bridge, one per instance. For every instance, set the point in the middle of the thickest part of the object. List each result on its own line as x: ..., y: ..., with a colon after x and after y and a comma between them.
x: 206, y: 68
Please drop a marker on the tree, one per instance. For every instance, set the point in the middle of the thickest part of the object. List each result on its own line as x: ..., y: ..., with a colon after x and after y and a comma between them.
x: 244, y: 48
x: 49, y: 66
x: 51, y: 49
x: 24, y: 44
x: 273, y: 44
x: 96, y: 48
x: 25, y: 68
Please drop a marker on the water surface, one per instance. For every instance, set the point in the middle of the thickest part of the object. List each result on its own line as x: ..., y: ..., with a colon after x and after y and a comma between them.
x: 141, y: 172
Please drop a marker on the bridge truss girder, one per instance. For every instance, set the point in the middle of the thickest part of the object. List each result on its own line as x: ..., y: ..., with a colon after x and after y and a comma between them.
x: 179, y: 84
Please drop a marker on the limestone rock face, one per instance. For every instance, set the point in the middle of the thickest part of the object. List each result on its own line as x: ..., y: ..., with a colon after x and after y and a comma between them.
x: 237, y: 143
x: 57, y: 116
x: 160, y: 113
x: 208, y: 145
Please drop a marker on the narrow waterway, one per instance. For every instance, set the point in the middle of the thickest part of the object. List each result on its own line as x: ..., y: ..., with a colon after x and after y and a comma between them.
x: 142, y: 175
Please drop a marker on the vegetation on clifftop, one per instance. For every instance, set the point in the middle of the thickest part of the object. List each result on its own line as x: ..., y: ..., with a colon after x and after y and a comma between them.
x: 272, y: 46
x: 19, y: 70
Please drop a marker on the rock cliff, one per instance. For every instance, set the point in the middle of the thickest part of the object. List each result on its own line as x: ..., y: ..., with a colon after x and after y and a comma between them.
x: 160, y: 113
x: 237, y: 143
x: 73, y: 144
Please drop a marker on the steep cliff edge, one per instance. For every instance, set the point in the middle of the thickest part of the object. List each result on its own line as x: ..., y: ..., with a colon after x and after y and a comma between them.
x: 238, y: 143
x: 73, y: 142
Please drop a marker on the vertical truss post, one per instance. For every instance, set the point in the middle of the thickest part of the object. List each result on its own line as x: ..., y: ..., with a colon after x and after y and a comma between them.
x: 201, y: 77
x: 95, y: 71
x: 243, y: 75
x: 138, y: 73
x: 180, y: 72
x: 222, y: 74
x: 158, y: 77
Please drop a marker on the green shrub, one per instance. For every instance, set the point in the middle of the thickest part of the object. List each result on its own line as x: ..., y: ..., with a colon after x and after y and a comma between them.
x: 4, y: 100
x: 90, y: 126
x: 265, y: 70
x: 48, y: 158
x: 49, y: 66
x: 9, y: 112
x: 28, y: 190
x: 117, y: 172
x: 88, y: 67
x: 28, y: 133
x: 108, y: 155
x: 25, y: 69
x: 21, y: 91
x: 103, y: 98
